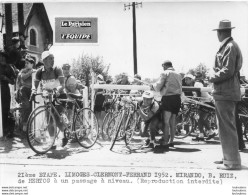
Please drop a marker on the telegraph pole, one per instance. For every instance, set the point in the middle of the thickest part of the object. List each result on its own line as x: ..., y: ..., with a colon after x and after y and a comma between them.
x: 133, y: 5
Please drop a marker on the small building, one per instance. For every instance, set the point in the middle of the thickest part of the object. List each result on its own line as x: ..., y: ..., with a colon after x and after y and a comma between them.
x: 37, y: 28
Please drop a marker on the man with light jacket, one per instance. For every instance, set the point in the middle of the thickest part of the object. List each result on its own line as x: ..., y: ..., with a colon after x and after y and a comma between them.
x: 170, y: 87
x: 228, y: 62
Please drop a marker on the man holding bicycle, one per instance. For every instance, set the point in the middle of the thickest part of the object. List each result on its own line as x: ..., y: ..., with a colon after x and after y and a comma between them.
x: 51, y: 78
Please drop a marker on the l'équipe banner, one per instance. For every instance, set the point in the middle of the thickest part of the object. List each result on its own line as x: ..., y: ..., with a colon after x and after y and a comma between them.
x: 76, y: 30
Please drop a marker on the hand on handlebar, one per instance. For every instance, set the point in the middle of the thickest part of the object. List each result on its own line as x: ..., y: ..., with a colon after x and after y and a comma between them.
x: 152, y: 88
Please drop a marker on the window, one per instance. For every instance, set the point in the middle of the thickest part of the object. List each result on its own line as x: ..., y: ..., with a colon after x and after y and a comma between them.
x: 33, y: 37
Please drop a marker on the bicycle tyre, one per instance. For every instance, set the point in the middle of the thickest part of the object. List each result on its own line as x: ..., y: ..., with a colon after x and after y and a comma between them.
x: 86, y: 133
x: 117, y: 129
x: 106, y: 120
x: 130, y: 128
x: 244, y: 121
x: 41, y: 138
x: 187, y: 122
x: 112, y: 127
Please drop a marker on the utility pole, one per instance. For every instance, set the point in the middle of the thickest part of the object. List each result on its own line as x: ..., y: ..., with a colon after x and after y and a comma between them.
x: 133, y: 5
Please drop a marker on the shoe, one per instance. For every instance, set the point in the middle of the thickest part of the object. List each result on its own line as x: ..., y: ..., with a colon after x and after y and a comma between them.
x: 171, y: 145
x: 197, y: 138
x: 164, y: 147
x: 229, y: 167
x: 64, y: 142
x: 147, y: 142
x: 211, y: 136
x: 218, y: 162
x: 161, y: 141
x: 53, y: 147
x: 150, y: 145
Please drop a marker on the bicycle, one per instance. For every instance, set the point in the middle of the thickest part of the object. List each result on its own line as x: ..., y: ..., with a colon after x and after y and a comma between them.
x: 124, y: 123
x: 188, y: 118
x: 42, y: 124
x: 111, y: 111
x: 243, y: 115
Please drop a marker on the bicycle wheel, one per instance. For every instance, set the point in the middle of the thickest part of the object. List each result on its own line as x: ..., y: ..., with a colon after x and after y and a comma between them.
x: 131, y: 127
x: 85, y: 126
x: 41, y: 130
x: 112, y: 127
x: 119, y: 126
x: 184, y: 126
x: 105, y: 125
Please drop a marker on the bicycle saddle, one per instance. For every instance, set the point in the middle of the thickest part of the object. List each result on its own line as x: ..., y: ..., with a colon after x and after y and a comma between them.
x: 75, y: 96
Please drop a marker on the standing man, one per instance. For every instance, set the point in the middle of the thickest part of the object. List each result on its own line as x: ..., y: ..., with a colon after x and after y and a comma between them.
x: 228, y: 62
x: 170, y: 87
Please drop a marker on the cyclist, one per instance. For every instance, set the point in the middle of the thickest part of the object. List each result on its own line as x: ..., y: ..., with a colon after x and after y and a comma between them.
x: 51, y: 78
x: 150, y: 113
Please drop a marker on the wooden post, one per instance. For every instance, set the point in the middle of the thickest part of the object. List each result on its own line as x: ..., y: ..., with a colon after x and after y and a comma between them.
x: 8, y: 23
x: 20, y: 17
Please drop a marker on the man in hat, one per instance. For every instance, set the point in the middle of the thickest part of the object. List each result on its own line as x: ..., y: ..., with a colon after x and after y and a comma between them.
x: 170, y: 87
x: 228, y: 62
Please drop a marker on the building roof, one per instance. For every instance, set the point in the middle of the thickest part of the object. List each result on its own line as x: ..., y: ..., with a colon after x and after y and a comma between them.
x: 29, y: 9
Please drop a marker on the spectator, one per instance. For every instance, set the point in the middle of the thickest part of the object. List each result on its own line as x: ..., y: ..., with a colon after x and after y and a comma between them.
x: 170, y: 87
x: 25, y: 86
x: 99, y: 101
x: 7, y: 76
x: 14, y: 54
x: 137, y: 81
x: 123, y: 81
x: 228, y: 62
x: 188, y: 81
x: 203, y: 110
x: 71, y: 83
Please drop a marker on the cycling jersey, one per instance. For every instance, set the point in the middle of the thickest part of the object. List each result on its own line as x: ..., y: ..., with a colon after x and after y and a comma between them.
x: 49, y: 78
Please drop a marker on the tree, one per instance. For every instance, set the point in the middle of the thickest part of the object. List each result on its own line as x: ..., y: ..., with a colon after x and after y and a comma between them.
x: 82, y: 67
x: 200, y: 68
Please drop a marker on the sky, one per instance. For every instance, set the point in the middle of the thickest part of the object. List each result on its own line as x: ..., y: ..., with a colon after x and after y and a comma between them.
x: 179, y: 32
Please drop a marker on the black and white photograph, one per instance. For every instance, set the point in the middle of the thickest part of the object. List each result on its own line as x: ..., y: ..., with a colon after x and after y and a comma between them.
x: 117, y: 97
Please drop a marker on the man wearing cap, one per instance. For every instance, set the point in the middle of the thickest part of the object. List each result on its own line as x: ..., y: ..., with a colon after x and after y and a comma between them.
x: 24, y: 85
x: 149, y: 112
x: 51, y: 78
x: 228, y: 62
x: 170, y: 87
x: 71, y: 83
